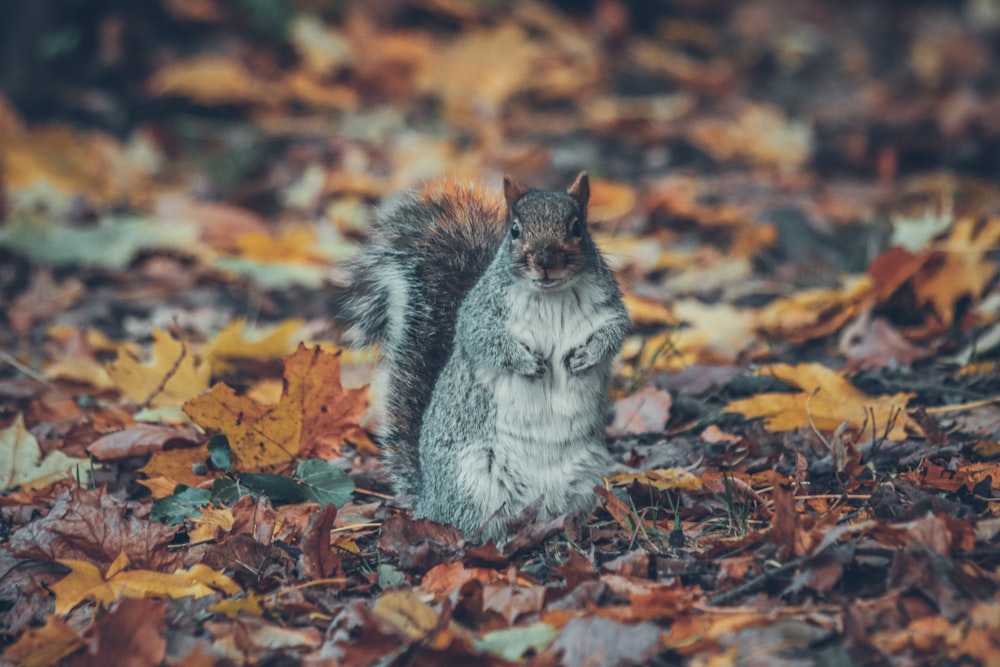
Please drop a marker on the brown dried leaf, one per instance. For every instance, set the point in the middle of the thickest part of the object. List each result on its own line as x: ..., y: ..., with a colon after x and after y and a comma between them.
x: 96, y: 526
x: 131, y: 634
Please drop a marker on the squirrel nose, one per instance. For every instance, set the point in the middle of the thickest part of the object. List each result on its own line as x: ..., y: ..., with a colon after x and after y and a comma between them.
x: 548, y: 259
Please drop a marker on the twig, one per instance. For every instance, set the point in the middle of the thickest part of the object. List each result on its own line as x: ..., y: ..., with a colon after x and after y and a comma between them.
x: 383, y: 496
x: 961, y: 407
x: 28, y: 370
x: 758, y: 582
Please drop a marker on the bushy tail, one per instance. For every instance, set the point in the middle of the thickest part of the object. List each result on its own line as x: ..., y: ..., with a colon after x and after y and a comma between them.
x: 425, y: 253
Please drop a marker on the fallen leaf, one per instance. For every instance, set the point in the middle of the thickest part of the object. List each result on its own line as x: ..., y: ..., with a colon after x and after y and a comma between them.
x: 405, y: 610
x: 213, y: 79
x: 313, y: 419
x: 759, y: 133
x: 665, y: 480
x: 811, y: 314
x: 112, y: 243
x: 46, y: 645
x: 171, y: 377
x: 232, y: 344
x: 97, y: 527
x: 827, y: 399
x: 85, y: 582
x: 131, y: 634
x: 140, y: 440
x: 21, y: 463
x: 646, y: 411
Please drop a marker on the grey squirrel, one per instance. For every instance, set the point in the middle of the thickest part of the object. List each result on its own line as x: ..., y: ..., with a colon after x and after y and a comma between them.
x: 497, y: 321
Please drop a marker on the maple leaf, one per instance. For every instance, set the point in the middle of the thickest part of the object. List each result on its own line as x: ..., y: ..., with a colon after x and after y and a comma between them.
x: 170, y: 378
x: 965, y: 269
x: 827, y: 400
x: 96, y: 526
x: 313, y: 418
x: 231, y: 344
x: 21, y: 462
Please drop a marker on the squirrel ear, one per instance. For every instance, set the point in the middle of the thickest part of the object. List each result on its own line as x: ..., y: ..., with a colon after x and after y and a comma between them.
x: 580, y: 190
x: 512, y: 190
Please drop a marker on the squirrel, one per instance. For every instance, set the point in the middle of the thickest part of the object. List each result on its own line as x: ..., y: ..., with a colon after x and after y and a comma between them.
x: 497, y: 321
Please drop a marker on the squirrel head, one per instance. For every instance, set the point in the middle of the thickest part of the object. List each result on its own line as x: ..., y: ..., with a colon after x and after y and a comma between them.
x: 548, y: 231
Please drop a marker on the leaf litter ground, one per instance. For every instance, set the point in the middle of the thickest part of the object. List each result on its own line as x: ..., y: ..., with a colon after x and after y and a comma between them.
x: 800, y: 202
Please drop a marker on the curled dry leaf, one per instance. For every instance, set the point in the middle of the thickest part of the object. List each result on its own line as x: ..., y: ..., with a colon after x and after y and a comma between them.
x: 646, y: 411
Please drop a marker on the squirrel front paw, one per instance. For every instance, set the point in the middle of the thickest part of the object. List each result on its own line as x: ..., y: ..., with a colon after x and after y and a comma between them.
x: 531, y: 364
x: 581, y: 358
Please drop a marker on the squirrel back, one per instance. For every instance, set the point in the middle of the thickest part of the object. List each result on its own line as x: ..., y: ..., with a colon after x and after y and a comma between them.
x: 426, y: 251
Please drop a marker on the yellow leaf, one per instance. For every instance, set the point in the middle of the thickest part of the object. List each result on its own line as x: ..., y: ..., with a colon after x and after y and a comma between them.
x: 664, y: 479
x: 405, y: 610
x: 81, y: 369
x: 45, y: 646
x: 21, y: 463
x: 85, y: 582
x: 456, y: 73
x: 120, y: 563
x: 827, y: 398
x: 312, y: 420
x: 159, y: 487
x: 713, y: 334
x: 815, y: 313
x: 170, y: 378
x: 609, y: 200
x: 295, y: 246
x: 167, y: 469
x: 232, y: 343
x: 210, y: 519
x: 759, y: 133
x: 82, y: 583
x: 212, y: 79
x: 646, y: 311
x: 966, y: 269
x: 250, y: 603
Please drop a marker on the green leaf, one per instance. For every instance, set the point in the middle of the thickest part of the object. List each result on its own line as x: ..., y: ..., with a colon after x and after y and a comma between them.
x: 219, y: 452
x: 228, y: 491
x: 514, y: 643
x: 185, y: 502
x: 389, y: 576
x: 272, y: 275
x: 111, y: 244
x: 280, y: 490
x: 324, y: 483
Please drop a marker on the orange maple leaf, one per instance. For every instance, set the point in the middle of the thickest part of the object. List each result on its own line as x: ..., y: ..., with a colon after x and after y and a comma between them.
x: 313, y: 418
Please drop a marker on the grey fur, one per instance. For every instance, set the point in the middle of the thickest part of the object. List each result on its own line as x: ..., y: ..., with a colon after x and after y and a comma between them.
x: 517, y: 411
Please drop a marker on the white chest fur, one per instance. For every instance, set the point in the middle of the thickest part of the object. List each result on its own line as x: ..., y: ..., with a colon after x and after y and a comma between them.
x: 550, y: 435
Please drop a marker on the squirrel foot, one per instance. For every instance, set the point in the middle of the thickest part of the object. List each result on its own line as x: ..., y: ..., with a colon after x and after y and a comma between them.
x: 583, y: 357
x: 531, y: 364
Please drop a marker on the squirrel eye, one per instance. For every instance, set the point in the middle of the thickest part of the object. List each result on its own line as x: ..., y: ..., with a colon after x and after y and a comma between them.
x: 577, y: 229
x: 515, y: 230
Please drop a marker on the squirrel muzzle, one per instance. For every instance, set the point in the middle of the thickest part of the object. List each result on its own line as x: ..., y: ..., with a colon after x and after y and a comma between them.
x: 549, y: 265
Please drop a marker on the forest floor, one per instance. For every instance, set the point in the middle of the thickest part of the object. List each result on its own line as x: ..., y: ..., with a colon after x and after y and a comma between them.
x: 800, y: 201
